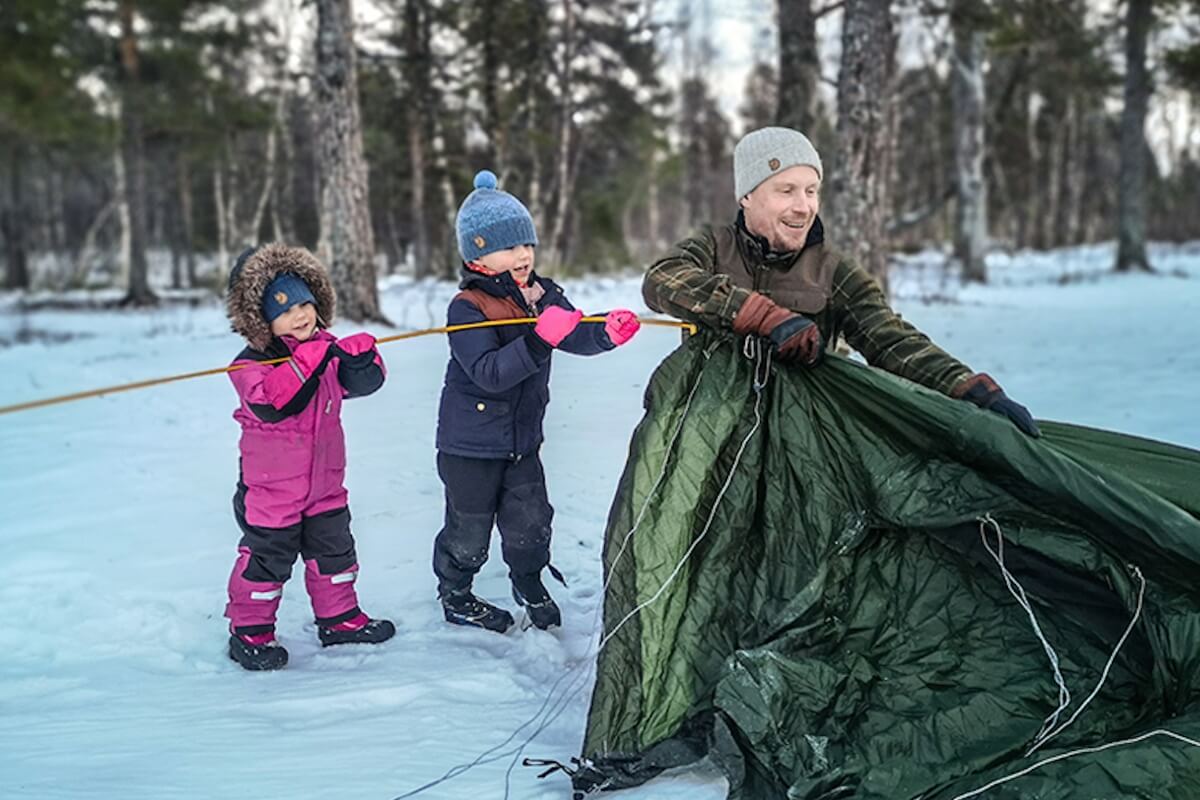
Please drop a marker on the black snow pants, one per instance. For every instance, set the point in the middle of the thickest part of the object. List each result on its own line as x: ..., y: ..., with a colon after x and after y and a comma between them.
x: 480, y: 492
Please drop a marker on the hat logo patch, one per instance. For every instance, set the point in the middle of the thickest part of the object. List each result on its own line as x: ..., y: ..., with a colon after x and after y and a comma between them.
x: 280, y: 297
x: 480, y: 241
x: 773, y: 164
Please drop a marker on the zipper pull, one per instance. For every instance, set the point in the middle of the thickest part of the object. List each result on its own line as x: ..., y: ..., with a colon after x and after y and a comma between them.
x: 328, y: 405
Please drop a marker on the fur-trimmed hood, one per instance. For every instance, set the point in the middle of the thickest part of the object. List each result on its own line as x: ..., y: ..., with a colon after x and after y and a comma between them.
x: 249, y: 279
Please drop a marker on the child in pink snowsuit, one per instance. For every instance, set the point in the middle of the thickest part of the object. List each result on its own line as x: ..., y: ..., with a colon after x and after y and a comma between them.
x: 290, y: 499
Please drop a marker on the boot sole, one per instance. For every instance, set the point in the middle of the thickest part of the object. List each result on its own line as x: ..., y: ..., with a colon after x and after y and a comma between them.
x: 380, y: 634
x: 278, y: 660
x: 467, y: 622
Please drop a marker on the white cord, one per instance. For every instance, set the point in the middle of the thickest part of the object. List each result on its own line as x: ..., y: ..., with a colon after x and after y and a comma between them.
x: 1137, y: 573
x: 759, y: 385
x: 1017, y: 591
x: 1048, y: 730
x: 557, y: 707
x: 1071, y: 754
x: 761, y: 373
x: 653, y: 489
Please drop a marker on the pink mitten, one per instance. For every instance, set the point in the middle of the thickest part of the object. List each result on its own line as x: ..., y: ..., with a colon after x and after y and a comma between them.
x: 282, y: 382
x: 621, y: 324
x: 357, y: 344
x: 556, y: 323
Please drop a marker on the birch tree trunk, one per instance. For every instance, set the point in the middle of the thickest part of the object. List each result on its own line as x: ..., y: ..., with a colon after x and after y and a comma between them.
x: 799, y: 66
x: 87, y: 251
x: 860, y: 186
x: 967, y: 90
x: 233, y: 191
x: 653, y: 211
x: 1070, y: 176
x: 347, y: 243
x: 1048, y: 183
x: 125, y: 245
x: 133, y: 156
x: 176, y: 252
x: 250, y: 236
x: 1029, y: 213
x: 223, y: 264
x: 1131, y: 181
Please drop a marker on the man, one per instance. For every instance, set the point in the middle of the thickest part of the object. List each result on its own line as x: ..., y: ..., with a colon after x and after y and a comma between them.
x: 772, y: 274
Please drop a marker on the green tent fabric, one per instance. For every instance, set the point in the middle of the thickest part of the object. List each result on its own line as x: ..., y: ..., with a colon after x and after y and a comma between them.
x: 803, y: 584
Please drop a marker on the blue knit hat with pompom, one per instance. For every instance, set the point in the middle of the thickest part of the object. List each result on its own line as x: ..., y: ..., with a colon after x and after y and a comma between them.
x: 491, y: 219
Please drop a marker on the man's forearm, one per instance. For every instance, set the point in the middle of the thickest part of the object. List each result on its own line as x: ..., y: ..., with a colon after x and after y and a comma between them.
x: 885, y: 339
x: 686, y: 285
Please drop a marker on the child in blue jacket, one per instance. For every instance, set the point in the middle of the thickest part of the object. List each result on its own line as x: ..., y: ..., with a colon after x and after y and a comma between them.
x: 490, y: 419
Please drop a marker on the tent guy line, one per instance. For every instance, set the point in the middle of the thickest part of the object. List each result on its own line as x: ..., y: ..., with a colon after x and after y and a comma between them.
x: 128, y: 387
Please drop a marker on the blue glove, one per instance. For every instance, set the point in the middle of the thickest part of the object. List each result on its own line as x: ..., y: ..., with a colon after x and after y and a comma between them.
x: 984, y: 392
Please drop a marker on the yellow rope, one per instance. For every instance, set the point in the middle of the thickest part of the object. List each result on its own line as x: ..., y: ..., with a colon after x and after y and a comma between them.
x: 128, y: 387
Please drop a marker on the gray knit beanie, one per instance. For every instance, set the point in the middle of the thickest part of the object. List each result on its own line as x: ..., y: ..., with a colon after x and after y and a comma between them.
x: 490, y: 220
x: 768, y: 151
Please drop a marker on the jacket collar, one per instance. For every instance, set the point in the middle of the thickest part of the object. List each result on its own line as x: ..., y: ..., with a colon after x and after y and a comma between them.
x: 758, y: 250
x: 286, y: 345
x: 503, y: 285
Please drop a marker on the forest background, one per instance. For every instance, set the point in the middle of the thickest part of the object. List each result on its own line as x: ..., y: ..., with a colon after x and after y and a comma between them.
x: 188, y: 130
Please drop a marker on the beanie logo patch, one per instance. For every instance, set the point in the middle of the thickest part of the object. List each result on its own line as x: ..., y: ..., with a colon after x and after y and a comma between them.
x: 773, y: 164
x: 281, y: 298
x: 480, y: 241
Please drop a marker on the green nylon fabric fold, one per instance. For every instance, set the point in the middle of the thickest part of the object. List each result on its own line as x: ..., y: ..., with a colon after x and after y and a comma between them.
x: 840, y: 629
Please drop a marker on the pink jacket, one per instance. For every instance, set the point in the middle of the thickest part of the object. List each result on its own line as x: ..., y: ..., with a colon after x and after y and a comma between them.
x: 293, y: 464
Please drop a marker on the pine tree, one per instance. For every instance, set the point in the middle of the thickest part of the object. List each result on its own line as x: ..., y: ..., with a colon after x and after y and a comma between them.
x: 45, y: 47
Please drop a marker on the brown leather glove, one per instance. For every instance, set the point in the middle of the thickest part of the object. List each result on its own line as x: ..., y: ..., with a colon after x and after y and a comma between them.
x: 795, y: 337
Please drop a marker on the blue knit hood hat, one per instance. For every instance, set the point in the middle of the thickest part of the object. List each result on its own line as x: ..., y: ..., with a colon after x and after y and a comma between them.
x: 286, y: 290
x: 490, y: 220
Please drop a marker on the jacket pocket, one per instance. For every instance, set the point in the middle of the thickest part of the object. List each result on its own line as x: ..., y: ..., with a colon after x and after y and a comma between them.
x: 470, y: 422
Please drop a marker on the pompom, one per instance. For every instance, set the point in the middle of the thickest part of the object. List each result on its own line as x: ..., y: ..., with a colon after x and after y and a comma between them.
x: 485, y: 179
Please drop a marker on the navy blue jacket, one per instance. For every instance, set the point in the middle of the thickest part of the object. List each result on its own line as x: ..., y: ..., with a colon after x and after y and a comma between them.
x: 497, y: 382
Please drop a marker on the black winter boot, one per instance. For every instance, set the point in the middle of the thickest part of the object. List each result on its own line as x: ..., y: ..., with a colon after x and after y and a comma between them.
x: 361, y: 630
x: 464, y: 608
x: 257, y: 652
x: 529, y: 591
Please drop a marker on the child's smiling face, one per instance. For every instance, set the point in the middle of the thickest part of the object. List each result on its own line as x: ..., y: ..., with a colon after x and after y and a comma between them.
x: 517, y: 260
x: 299, y: 322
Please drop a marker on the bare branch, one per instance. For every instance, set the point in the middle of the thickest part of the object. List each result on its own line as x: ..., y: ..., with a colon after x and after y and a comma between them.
x: 912, y: 218
x: 829, y: 9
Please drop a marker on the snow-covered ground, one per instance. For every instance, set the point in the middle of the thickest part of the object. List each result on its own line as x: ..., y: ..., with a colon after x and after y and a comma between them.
x: 117, y: 537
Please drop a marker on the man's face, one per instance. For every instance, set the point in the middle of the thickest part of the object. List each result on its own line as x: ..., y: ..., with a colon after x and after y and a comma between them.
x: 782, y: 208
x: 517, y: 260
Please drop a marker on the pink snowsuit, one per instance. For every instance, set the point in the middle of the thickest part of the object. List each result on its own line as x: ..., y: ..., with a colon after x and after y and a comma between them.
x: 293, y: 467
x: 291, y: 498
